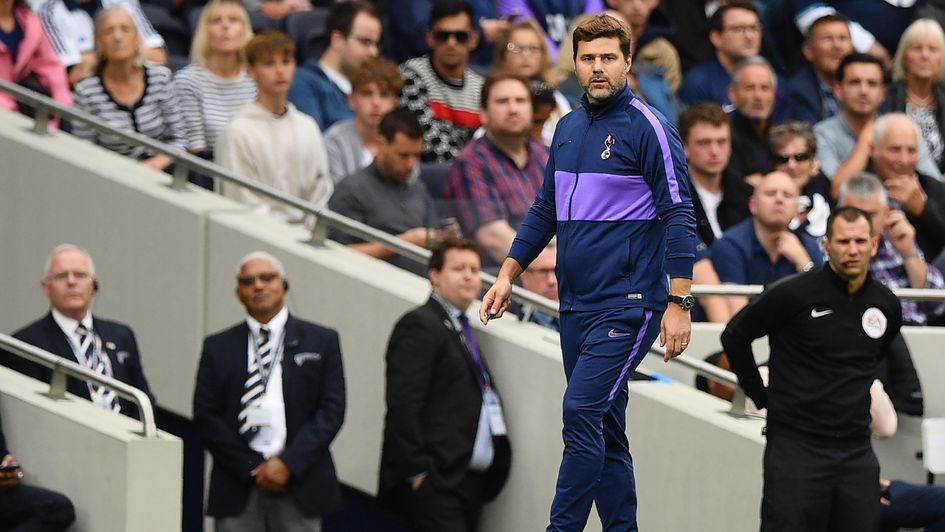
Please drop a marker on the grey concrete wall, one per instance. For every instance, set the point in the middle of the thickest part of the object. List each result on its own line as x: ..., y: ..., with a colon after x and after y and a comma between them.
x: 166, y: 264
x: 117, y: 480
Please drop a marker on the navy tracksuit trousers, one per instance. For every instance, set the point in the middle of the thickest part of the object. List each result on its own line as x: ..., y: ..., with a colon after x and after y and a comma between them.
x: 600, y: 351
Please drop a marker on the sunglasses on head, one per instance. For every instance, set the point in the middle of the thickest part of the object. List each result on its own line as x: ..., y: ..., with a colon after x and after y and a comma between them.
x: 799, y: 157
x: 441, y: 36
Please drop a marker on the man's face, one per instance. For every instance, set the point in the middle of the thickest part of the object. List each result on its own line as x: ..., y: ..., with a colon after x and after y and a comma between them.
x: 827, y: 44
x: 601, y: 68
x: 753, y: 95
x: 873, y: 206
x: 708, y: 148
x: 862, y: 90
x: 260, y: 288
x: 797, y: 160
x: 636, y: 12
x: 540, y: 275
x: 451, y: 39
x: 508, y: 110
x: 740, y: 36
x: 69, y: 285
x: 458, y: 282
x: 397, y: 159
x: 362, y: 43
x: 774, y: 202
x: 370, y: 103
x: 849, y: 247
x: 273, y: 73
x: 897, y: 153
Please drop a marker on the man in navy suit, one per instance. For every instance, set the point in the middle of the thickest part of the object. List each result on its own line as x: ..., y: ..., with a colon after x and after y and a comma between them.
x: 72, y: 332
x: 269, y: 400
x: 445, y: 450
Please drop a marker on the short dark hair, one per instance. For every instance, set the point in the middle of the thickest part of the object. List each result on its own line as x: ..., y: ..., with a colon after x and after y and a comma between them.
x: 850, y: 214
x: 342, y: 15
x: 448, y: 8
x: 602, y: 26
x: 438, y: 253
x: 268, y: 43
x: 494, y: 77
x: 380, y: 71
x: 858, y: 57
x: 717, y: 20
x: 704, y: 112
x: 826, y: 19
x: 400, y: 120
x: 702, y: 383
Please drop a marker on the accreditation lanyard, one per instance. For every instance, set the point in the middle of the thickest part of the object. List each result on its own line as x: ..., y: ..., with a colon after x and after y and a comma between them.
x: 266, y: 373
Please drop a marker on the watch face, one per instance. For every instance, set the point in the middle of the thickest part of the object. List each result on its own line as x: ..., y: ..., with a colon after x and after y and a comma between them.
x: 688, y: 302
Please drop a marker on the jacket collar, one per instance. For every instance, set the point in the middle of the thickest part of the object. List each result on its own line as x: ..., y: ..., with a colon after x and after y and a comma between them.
x: 617, y: 101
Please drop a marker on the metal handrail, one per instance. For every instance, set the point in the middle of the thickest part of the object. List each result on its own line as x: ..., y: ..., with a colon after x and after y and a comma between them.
x: 62, y: 368
x: 325, y: 219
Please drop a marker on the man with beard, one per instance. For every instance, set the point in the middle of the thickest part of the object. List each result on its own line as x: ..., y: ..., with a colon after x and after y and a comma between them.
x: 828, y: 329
x: 494, y: 179
x: 617, y: 193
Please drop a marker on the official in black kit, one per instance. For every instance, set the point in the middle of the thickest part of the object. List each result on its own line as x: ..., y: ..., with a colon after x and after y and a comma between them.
x: 827, y: 329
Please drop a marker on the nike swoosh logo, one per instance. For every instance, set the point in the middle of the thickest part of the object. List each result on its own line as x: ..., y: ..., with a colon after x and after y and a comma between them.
x: 814, y: 313
x: 615, y: 334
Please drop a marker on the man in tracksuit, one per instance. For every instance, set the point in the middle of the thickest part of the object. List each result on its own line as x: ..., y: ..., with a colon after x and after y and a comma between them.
x: 827, y: 329
x: 616, y: 192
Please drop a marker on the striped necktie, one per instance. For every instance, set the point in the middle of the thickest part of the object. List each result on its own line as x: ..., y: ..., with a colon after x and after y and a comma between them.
x: 255, y: 386
x: 99, y: 363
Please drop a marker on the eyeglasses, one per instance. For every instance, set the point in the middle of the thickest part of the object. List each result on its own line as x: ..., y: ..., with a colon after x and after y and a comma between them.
x: 367, y: 42
x: 540, y: 272
x: 63, y: 277
x: 441, y: 36
x: 529, y: 50
x: 249, y: 280
x: 799, y: 157
x: 746, y: 28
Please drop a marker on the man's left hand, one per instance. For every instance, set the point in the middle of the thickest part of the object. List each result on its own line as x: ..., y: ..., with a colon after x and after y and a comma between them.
x: 272, y: 475
x: 675, y: 331
x: 908, y: 192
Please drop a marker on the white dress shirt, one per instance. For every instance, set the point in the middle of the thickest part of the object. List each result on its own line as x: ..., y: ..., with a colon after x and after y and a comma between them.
x: 270, y: 440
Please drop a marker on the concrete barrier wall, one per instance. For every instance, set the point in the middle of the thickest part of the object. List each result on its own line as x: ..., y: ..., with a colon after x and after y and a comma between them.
x: 166, y: 261
x: 117, y: 480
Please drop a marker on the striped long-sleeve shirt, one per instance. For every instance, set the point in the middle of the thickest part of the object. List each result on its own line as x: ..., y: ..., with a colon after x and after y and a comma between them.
x: 155, y: 115
x: 208, y: 102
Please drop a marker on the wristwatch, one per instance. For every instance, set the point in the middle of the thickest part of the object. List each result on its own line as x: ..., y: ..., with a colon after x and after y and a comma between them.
x: 686, y: 301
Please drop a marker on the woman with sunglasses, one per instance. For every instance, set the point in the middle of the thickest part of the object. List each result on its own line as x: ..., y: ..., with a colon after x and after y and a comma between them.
x: 524, y: 51
x: 794, y: 151
x: 918, y: 88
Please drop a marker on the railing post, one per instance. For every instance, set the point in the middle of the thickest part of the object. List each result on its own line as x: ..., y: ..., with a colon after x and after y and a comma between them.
x: 41, y: 121
x: 738, y: 403
x: 179, y: 181
x: 57, y: 384
x: 319, y: 232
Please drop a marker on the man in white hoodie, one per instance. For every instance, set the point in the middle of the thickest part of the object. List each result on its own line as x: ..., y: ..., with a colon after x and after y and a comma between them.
x: 269, y: 140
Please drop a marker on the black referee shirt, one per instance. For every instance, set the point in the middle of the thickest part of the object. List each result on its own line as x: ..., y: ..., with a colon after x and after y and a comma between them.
x: 825, y: 347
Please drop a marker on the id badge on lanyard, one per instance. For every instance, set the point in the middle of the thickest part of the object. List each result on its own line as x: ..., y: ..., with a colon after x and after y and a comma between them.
x: 494, y: 409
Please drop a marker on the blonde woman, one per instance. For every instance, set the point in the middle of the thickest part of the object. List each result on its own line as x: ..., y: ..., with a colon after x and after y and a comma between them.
x: 917, y: 88
x: 524, y: 50
x: 215, y: 85
x: 128, y: 92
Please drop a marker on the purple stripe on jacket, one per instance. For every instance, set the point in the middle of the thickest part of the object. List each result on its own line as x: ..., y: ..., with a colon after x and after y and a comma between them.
x: 664, y: 148
x: 603, y: 197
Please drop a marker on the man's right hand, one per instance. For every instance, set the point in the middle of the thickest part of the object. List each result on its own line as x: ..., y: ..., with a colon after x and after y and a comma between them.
x: 496, y: 300
x: 901, y: 233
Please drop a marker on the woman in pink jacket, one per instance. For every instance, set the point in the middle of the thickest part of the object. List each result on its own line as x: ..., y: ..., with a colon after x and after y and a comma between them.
x: 27, y: 57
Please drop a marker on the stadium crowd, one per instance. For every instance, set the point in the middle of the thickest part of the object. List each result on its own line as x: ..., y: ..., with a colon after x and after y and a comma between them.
x: 433, y: 120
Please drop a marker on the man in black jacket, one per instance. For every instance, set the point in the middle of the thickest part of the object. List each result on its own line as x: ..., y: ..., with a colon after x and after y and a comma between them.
x: 269, y: 400
x: 445, y: 448
x: 71, y: 331
x: 827, y: 329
